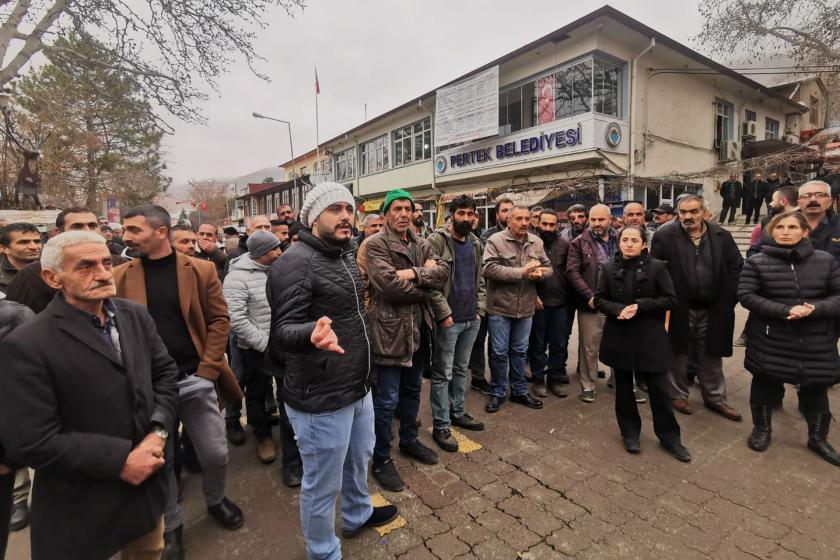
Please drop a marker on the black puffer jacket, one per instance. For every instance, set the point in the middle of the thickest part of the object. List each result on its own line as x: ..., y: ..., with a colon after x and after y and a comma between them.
x: 802, y: 351
x: 311, y: 280
x: 640, y: 343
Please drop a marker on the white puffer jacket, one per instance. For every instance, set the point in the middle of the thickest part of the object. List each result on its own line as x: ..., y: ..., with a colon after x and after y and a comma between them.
x: 250, y: 314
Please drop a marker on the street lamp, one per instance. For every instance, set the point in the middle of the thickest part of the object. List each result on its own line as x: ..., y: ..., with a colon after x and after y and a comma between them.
x: 291, y: 147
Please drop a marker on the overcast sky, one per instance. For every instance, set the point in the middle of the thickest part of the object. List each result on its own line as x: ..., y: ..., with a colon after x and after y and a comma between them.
x: 379, y: 52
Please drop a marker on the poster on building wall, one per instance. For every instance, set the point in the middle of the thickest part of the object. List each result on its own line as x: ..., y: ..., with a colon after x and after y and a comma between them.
x: 545, y: 99
x: 468, y: 110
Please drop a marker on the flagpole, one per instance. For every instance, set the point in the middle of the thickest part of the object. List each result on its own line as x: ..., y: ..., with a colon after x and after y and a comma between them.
x: 317, y: 141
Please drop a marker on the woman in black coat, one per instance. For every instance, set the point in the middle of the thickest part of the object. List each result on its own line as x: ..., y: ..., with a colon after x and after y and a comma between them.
x: 793, y: 294
x: 635, y: 292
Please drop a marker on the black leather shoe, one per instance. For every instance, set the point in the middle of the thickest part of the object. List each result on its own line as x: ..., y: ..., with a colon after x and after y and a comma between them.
x: 292, y: 475
x: 526, y: 400
x: 420, y: 452
x: 173, y: 545
x: 494, y: 403
x: 235, y: 434
x: 227, y: 514
x: 481, y: 385
x: 564, y: 379
x: 677, y: 451
x: 20, y: 517
x: 380, y: 516
x: 387, y: 476
x: 632, y: 445
x: 467, y: 422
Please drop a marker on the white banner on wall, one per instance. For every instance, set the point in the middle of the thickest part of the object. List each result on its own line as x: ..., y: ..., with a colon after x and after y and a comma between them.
x: 468, y: 110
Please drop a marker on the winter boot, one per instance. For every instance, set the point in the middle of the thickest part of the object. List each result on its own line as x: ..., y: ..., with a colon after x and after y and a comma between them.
x: 759, y: 439
x: 818, y: 438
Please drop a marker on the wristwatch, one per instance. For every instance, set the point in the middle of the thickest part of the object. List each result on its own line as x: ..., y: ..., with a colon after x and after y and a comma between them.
x: 160, y: 431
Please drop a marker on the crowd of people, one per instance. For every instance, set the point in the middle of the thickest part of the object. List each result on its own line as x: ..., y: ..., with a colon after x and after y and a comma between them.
x: 129, y: 348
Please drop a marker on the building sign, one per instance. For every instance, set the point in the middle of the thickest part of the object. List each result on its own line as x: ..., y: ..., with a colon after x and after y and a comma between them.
x: 545, y: 141
x: 468, y: 109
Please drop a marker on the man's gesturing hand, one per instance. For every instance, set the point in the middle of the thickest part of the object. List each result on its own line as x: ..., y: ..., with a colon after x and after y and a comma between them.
x: 324, y: 338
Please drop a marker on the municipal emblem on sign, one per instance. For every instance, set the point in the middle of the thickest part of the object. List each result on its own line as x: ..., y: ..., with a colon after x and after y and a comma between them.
x: 440, y: 164
x: 613, y: 134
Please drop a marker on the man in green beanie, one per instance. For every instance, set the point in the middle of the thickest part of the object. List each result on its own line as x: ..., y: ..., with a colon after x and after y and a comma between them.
x: 402, y: 271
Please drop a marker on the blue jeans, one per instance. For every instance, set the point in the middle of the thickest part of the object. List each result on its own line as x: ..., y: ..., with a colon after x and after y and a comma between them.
x: 449, y: 369
x: 234, y: 410
x: 548, y: 330
x: 397, y: 384
x: 335, y: 448
x: 509, y: 339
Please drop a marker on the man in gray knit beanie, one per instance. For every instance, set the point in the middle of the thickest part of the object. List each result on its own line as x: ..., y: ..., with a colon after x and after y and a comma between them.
x: 322, y: 197
x: 318, y: 320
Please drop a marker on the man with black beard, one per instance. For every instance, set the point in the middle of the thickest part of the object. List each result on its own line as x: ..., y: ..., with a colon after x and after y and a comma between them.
x: 548, y: 330
x: 318, y: 327
x: 578, y: 217
x: 457, y: 308
x: 418, y: 223
x: 477, y: 357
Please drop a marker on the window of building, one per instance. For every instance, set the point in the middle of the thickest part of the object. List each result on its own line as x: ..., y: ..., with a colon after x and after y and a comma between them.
x: 423, y: 139
x: 750, y: 115
x: 723, y: 128
x: 374, y: 155
x: 573, y: 90
x: 771, y: 129
x: 516, y: 108
x: 345, y: 165
x: 303, y: 171
x: 606, y: 92
x: 814, y: 114
x: 402, y: 146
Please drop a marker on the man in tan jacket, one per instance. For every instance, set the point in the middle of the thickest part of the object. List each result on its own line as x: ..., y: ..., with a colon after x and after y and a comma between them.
x: 513, y: 261
x: 184, y: 297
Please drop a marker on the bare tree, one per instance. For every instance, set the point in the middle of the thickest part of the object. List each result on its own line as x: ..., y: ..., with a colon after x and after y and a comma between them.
x: 166, y: 46
x: 214, y: 195
x: 804, y: 31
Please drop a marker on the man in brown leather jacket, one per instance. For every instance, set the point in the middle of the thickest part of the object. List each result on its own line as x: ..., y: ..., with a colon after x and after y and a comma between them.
x: 402, y: 270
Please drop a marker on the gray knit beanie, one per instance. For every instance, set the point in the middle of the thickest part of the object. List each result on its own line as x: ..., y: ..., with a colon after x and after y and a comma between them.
x: 322, y: 197
x: 261, y: 242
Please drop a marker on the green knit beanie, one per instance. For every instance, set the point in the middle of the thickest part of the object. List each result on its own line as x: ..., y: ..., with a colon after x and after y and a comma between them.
x: 396, y: 194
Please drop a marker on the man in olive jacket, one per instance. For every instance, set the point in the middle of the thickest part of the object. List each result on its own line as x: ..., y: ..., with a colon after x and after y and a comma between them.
x: 403, y: 270
x: 458, y: 308
x: 513, y: 261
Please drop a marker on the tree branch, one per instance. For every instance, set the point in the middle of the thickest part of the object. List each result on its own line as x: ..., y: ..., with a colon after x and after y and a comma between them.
x: 33, y: 42
x: 9, y: 30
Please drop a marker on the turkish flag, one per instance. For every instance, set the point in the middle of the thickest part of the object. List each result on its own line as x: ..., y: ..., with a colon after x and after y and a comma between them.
x: 203, y: 206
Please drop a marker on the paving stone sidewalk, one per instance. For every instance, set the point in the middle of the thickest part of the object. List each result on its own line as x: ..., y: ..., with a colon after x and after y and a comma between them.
x: 556, y: 483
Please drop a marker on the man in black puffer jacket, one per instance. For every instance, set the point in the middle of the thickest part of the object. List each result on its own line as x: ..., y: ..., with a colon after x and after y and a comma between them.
x: 317, y: 319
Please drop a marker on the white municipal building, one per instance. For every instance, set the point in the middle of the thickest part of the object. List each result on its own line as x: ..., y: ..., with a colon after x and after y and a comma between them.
x: 605, y: 103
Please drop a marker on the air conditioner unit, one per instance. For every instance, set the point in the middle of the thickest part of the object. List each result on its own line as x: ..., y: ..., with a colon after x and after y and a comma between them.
x: 748, y: 129
x: 731, y: 150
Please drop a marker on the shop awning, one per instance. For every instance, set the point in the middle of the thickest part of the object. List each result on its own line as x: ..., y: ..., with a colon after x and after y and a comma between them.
x: 448, y: 197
